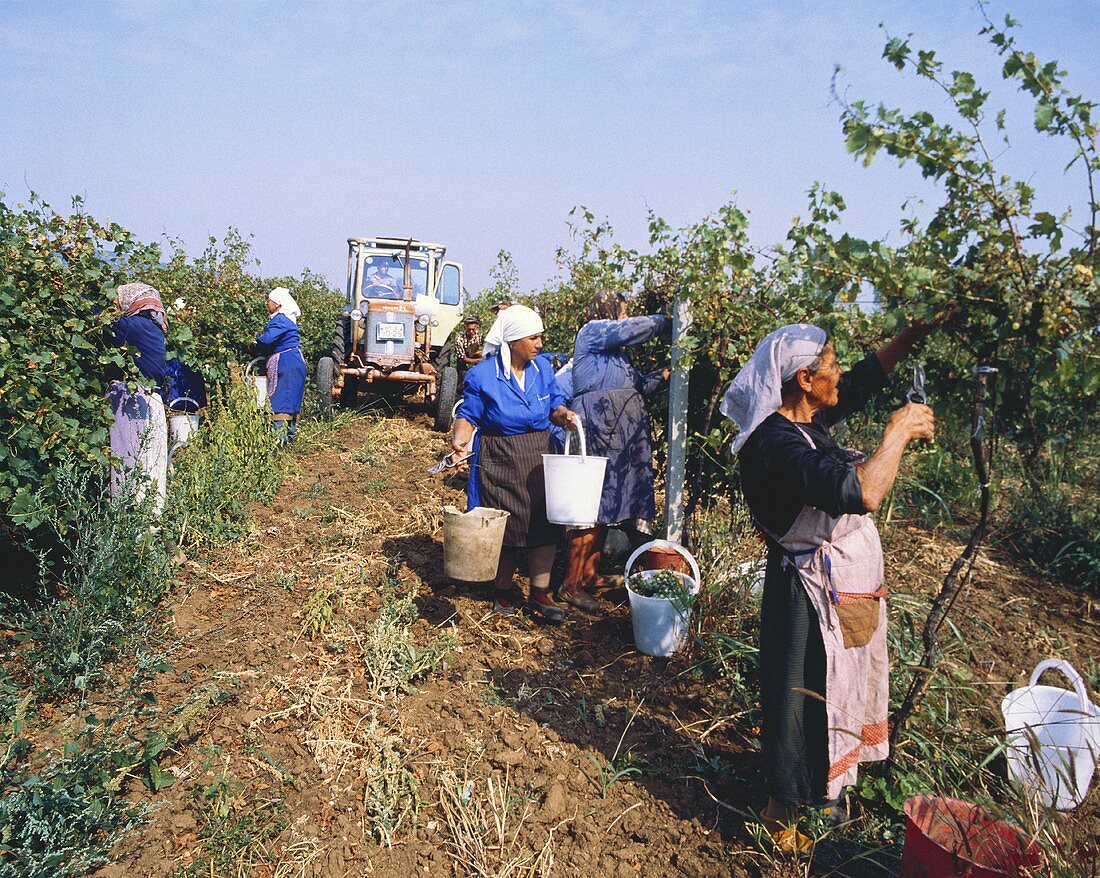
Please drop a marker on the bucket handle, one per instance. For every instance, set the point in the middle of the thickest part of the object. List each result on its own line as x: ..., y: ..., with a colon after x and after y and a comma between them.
x: 580, y: 432
x: 248, y: 373
x: 664, y: 544
x: 1075, y: 680
x: 183, y: 399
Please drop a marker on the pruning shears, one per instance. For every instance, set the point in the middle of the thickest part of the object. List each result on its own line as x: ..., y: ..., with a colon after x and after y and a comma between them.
x: 916, y: 392
x: 447, y: 461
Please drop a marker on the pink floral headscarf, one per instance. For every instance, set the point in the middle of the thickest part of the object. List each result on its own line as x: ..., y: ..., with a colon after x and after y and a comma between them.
x: 137, y: 297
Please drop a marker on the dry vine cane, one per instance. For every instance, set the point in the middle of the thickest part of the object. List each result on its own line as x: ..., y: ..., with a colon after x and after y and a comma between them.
x: 956, y: 579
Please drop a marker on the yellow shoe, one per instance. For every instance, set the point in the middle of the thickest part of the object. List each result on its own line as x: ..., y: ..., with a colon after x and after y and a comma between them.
x: 786, y: 837
x: 790, y: 841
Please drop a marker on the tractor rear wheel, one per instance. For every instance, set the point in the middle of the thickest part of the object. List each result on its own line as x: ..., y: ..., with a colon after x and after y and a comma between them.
x: 445, y: 396
x: 326, y: 371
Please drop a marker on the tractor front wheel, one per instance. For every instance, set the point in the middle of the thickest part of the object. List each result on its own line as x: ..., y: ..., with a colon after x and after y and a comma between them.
x: 446, y: 393
x: 326, y: 372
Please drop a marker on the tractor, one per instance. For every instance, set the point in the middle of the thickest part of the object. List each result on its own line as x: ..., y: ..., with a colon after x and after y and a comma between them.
x: 403, y: 303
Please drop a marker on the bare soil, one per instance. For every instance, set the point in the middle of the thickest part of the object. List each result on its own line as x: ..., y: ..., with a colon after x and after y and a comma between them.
x: 276, y: 716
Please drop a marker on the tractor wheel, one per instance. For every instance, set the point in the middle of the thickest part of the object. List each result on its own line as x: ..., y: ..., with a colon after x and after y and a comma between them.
x: 341, y: 339
x: 326, y: 371
x: 349, y: 393
x: 445, y: 399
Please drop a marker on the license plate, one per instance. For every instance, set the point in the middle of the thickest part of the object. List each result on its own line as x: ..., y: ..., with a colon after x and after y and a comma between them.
x: 390, y: 332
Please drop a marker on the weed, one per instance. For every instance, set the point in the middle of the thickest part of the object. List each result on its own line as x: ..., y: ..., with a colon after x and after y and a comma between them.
x: 101, y: 589
x: 61, y: 819
x: 236, y: 832
x: 320, y: 608
x: 231, y: 461
x: 610, y: 773
x: 391, y: 658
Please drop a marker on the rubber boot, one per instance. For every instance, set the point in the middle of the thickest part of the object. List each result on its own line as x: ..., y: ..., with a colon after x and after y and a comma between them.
x: 580, y: 547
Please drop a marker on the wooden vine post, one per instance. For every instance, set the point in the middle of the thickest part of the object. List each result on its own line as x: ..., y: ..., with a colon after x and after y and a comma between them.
x: 957, y: 577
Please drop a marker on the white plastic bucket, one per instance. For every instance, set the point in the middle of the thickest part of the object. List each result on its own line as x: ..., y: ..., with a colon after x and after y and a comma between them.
x: 574, y: 484
x: 259, y: 381
x: 751, y: 574
x: 1053, y: 738
x: 660, y: 625
x: 472, y: 541
x: 181, y: 425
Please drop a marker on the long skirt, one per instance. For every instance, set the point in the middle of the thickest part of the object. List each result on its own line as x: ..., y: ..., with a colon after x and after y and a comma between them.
x: 510, y: 476
x: 616, y: 426
x: 139, y: 442
x: 286, y: 381
x: 794, y: 731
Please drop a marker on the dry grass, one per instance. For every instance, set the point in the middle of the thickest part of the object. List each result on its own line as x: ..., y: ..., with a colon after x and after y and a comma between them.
x: 486, y: 827
x: 359, y: 747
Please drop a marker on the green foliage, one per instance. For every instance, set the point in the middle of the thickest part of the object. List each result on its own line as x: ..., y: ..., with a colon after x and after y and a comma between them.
x: 63, y: 819
x: 58, y: 275
x: 111, y: 570
x: 231, y: 461
x: 1017, y: 281
x: 1053, y: 522
x: 235, y: 833
x: 224, y: 305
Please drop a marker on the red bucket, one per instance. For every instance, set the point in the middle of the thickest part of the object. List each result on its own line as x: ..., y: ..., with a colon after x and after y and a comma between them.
x: 949, y: 838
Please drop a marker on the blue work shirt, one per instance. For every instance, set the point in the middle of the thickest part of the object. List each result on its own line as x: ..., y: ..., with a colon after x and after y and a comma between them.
x: 147, y: 339
x: 494, y: 403
x: 184, y: 383
x: 280, y: 334
x: 600, y: 360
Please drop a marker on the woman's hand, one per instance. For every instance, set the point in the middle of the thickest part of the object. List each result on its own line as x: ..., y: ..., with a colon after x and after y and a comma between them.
x: 876, y: 475
x: 914, y: 421
x: 564, y: 418
x: 462, y: 443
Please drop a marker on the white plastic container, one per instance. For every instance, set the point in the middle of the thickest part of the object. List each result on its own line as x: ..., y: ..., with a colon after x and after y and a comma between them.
x: 472, y: 541
x: 574, y: 484
x: 425, y: 305
x: 181, y: 425
x: 1053, y: 738
x: 259, y: 380
x: 660, y: 624
x: 751, y: 573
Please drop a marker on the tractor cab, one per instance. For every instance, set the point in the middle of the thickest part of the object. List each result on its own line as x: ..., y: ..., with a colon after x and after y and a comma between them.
x: 404, y: 301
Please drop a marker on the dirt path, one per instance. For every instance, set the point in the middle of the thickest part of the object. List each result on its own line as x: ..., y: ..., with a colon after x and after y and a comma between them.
x: 525, y: 750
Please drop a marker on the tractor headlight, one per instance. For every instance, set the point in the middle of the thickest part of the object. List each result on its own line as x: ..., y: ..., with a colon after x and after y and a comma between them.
x: 356, y: 315
x: 424, y: 320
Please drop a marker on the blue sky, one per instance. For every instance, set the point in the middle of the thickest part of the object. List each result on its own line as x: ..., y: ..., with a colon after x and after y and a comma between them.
x: 478, y: 125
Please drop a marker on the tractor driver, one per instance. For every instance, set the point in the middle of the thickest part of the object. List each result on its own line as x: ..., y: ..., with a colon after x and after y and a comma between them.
x: 468, y: 345
x: 383, y: 285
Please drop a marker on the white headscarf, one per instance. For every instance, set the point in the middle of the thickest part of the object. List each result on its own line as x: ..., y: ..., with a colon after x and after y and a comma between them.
x: 287, y: 306
x: 511, y: 324
x: 756, y: 392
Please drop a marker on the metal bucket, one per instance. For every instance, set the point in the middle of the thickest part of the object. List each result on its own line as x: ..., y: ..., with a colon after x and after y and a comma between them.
x: 472, y: 541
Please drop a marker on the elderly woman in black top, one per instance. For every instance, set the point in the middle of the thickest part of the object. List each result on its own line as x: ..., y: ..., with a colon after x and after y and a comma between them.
x: 823, y: 615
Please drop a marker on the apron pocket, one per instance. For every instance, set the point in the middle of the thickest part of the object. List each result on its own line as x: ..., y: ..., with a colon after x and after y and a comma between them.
x: 859, y: 620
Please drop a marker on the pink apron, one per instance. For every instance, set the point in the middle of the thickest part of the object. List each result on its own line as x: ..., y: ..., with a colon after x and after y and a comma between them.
x: 839, y: 561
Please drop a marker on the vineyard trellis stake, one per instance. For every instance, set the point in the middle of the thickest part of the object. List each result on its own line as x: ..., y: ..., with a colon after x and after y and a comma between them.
x: 957, y: 577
